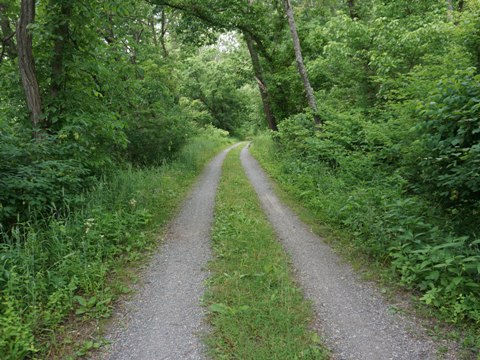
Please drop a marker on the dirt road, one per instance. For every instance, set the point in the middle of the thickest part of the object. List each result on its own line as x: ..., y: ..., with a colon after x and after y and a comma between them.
x: 165, y: 320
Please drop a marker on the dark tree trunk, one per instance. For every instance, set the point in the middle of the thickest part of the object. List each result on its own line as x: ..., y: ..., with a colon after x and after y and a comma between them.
x: 61, y: 36
x: 109, y: 34
x: 461, y: 5
x: 352, y: 9
x: 163, y: 33
x: 300, y: 64
x: 27, y: 64
x: 262, y: 86
x: 257, y: 68
x: 8, y: 45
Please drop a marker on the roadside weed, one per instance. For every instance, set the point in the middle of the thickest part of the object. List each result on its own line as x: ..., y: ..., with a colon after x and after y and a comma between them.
x: 59, y: 273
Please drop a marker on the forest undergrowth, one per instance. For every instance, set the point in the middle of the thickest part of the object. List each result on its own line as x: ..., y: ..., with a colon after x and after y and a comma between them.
x: 406, y: 236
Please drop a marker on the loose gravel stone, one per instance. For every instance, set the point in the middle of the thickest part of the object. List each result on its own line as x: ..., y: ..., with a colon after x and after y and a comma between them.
x: 165, y: 318
x: 351, y: 314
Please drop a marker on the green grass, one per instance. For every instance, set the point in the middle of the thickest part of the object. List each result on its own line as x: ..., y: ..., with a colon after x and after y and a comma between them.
x: 60, y: 277
x: 256, y: 309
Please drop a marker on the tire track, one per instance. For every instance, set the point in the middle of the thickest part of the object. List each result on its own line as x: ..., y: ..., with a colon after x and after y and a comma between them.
x: 165, y: 318
x: 352, y: 316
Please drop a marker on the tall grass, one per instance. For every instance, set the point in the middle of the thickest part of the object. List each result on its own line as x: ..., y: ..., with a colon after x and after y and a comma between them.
x: 61, y: 267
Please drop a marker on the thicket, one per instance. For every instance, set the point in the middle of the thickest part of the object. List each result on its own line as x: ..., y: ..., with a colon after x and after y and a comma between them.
x: 396, y: 161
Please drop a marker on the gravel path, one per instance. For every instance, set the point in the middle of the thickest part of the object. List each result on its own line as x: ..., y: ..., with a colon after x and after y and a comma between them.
x: 354, y: 319
x: 165, y: 318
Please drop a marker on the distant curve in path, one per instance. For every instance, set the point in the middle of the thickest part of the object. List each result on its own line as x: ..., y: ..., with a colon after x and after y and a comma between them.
x: 352, y: 316
x: 165, y: 318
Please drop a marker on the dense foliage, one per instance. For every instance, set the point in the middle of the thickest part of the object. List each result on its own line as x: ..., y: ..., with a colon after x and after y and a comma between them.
x: 113, y: 89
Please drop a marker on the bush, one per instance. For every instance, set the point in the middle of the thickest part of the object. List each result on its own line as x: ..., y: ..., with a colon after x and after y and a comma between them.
x: 35, y: 177
x: 450, y: 130
x: 16, y: 338
x: 153, y: 141
x: 408, y: 233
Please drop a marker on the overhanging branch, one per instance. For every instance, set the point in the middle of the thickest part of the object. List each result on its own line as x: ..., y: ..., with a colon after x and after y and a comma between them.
x: 204, y: 16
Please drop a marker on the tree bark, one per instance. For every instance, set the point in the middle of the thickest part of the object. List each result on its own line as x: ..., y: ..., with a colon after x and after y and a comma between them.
x: 8, y: 46
x: 163, y: 33
x: 262, y: 86
x: 352, y: 9
x: 312, y: 102
x: 152, y: 22
x: 27, y: 64
x: 257, y: 68
x: 61, y: 35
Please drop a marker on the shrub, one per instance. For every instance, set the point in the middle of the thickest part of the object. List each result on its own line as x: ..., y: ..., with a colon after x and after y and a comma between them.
x: 155, y: 140
x: 16, y: 338
x: 450, y: 130
x: 35, y: 177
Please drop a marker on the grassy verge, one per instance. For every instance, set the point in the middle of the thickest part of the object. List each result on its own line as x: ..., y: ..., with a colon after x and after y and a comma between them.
x: 363, y: 221
x: 61, y: 275
x: 256, y: 310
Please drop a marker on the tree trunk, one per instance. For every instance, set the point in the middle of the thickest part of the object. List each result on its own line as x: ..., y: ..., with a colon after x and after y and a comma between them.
x: 352, y: 9
x: 8, y: 46
x: 300, y: 64
x: 27, y: 64
x: 262, y: 86
x: 257, y: 68
x: 163, y: 33
x: 152, y: 22
x: 109, y: 34
x: 61, y: 35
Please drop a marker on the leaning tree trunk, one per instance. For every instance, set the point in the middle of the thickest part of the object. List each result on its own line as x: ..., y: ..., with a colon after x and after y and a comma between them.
x: 262, y: 86
x: 26, y: 63
x: 257, y: 68
x: 300, y: 64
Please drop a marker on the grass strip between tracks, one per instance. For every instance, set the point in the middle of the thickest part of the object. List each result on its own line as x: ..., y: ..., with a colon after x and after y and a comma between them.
x: 255, y: 308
